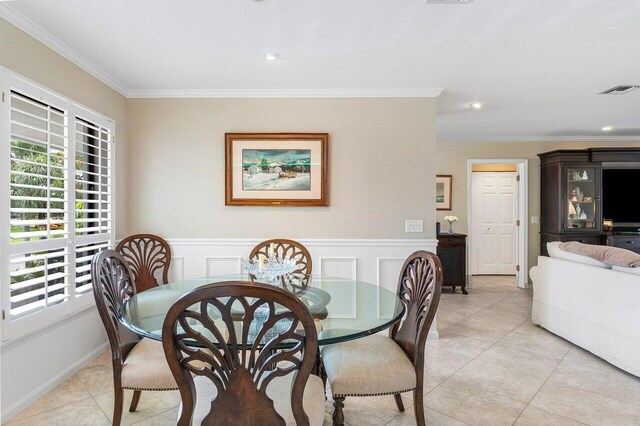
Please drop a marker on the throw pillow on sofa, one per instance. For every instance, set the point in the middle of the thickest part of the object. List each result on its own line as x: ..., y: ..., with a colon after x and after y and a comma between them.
x: 610, y: 255
x: 555, y: 251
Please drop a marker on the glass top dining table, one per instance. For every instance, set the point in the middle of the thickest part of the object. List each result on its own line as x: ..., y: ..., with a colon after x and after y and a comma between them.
x: 346, y: 309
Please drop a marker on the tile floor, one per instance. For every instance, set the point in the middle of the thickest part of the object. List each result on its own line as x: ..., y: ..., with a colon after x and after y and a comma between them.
x: 491, y: 366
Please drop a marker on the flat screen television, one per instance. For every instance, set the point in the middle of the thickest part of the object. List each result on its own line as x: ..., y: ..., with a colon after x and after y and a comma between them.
x: 618, y: 199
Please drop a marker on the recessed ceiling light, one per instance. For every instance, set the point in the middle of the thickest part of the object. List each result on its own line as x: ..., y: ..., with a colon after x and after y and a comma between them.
x: 607, y: 129
x: 476, y: 105
x: 272, y: 56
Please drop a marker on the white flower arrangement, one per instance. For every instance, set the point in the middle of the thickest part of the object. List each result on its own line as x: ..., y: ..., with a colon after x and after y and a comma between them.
x: 451, y: 219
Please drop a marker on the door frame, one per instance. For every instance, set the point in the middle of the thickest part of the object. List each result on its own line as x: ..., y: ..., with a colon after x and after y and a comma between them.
x: 523, y: 213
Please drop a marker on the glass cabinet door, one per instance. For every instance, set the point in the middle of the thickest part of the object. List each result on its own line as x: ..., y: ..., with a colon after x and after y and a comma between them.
x: 582, y: 198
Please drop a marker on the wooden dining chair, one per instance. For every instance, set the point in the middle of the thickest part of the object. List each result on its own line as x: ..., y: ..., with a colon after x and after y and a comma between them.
x: 138, y: 364
x: 380, y: 365
x: 249, y: 383
x: 147, y: 255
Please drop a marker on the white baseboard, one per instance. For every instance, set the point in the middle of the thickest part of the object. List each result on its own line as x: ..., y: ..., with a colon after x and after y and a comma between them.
x: 50, y: 384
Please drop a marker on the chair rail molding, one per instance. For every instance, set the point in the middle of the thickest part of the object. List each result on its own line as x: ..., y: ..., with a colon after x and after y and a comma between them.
x: 423, y: 243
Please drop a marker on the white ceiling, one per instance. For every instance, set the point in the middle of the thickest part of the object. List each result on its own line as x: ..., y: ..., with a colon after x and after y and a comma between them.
x: 536, y: 65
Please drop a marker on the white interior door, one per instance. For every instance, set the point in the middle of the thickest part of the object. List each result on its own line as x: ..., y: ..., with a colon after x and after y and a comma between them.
x: 495, y: 223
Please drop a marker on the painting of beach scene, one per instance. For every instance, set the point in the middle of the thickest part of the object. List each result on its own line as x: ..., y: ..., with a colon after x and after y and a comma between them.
x: 276, y: 169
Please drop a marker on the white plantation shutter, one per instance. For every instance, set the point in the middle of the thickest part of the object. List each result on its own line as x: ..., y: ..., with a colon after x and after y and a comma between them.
x: 59, y: 204
x: 93, y: 178
x: 93, y: 200
x: 39, y: 185
x: 84, y: 253
x: 39, y: 280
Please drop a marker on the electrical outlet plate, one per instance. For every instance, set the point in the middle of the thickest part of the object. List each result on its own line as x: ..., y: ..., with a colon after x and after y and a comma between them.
x: 414, y: 225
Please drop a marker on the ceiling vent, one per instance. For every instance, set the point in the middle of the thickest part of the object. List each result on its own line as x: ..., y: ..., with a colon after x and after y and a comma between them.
x: 619, y: 90
x: 448, y: 1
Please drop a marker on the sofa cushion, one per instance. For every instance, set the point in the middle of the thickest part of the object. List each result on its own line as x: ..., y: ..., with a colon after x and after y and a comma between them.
x: 635, y: 271
x: 611, y: 255
x: 556, y: 252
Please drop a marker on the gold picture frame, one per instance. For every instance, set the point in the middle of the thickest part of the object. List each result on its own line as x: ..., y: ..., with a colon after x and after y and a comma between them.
x: 276, y: 169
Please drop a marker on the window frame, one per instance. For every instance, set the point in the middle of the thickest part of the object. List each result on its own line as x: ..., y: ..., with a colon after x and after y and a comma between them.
x: 15, y: 329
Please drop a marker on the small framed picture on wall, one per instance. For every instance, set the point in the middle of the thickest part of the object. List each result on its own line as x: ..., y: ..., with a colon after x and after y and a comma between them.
x: 443, y: 192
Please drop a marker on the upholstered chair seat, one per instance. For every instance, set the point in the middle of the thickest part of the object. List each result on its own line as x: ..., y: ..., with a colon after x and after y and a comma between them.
x: 279, y: 390
x: 375, y: 365
x: 146, y: 368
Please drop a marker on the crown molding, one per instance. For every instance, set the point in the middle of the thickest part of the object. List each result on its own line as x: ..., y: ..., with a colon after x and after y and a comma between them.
x: 43, y: 36
x: 540, y: 139
x: 46, y: 38
x: 286, y: 93
x: 309, y: 242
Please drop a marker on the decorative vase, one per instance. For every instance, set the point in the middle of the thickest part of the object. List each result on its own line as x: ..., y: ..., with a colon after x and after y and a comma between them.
x: 451, y: 231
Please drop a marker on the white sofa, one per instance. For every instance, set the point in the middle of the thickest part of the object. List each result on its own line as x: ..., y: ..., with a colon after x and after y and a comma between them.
x: 594, y: 307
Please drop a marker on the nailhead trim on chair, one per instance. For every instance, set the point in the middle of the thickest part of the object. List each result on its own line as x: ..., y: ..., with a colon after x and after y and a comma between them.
x: 150, y: 390
x: 372, y: 394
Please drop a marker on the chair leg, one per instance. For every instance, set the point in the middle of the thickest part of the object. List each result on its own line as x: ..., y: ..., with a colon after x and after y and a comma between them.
x: 418, y: 406
x: 399, y: 402
x: 134, y: 401
x: 117, y: 407
x: 338, y: 415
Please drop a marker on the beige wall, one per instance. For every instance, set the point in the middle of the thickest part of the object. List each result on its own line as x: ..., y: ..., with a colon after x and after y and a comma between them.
x: 22, y: 54
x: 452, y: 159
x: 381, y: 151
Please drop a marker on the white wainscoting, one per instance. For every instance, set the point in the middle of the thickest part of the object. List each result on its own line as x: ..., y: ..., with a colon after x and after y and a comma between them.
x: 388, y: 269
x: 376, y: 261
x: 222, y: 265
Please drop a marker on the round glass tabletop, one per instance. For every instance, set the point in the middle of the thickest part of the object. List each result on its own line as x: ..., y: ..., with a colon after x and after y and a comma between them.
x: 346, y: 309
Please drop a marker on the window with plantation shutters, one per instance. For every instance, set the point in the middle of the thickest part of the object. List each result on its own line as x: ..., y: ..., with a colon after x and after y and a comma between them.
x: 59, y: 204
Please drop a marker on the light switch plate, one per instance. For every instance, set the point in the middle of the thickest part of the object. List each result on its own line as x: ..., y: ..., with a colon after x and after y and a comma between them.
x: 414, y: 225
x: 535, y: 219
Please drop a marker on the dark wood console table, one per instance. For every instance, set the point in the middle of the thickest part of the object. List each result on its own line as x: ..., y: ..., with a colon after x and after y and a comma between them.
x: 452, y: 251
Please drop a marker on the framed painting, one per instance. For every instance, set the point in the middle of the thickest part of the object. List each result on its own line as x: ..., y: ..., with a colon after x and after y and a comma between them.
x: 276, y: 169
x: 443, y: 192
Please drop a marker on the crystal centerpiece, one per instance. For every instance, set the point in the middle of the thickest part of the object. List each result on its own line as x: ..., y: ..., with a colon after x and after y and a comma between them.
x: 268, y: 270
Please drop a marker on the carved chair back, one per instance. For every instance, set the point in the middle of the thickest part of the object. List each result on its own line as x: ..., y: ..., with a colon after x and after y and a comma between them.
x: 287, y: 248
x: 112, y: 287
x: 242, y: 368
x: 147, y: 255
x: 419, y: 288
